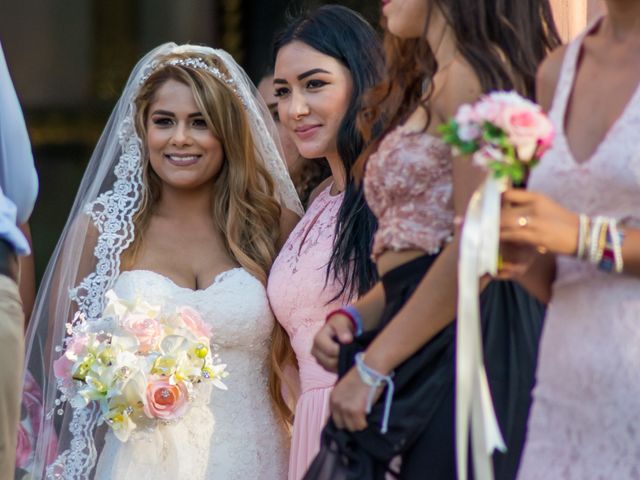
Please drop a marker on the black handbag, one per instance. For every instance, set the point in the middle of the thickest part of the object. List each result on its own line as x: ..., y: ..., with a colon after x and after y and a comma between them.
x: 367, y: 454
x: 424, y: 393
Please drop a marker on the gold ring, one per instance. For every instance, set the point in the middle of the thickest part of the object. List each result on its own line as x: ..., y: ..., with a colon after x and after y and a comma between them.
x: 542, y: 250
x: 523, y: 221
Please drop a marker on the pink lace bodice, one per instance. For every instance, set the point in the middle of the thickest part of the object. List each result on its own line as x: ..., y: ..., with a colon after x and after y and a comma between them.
x: 408, y: 186
x: 298, y: 292
x: 585, y: 420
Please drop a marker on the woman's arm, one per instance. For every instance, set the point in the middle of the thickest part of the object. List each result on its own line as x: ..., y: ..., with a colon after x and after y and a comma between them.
x: 339, y: 328
x: 631, y: 252
x: 433, y: 305
x: 535, y: 272
x: 556, y: 229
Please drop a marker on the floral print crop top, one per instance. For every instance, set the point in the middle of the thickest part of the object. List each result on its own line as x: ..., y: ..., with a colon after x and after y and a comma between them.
x: 408, y: 186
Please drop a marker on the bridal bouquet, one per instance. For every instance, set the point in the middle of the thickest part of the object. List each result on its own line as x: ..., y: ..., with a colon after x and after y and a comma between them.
x: 503, y: 131
x: 140, y: 363
x: 508, y: 135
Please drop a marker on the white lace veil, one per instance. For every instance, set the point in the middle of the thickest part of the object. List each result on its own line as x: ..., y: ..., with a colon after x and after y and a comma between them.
x: 56, y: 441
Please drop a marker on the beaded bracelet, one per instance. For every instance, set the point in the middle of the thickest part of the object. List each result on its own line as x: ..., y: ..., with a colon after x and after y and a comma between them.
x: 583, y: 236
x: 611, y: 260
x: 352, y: 314
x: 598, y: 239
x: 600, y: 242
x: 375, y: 380
x: 617, y: 237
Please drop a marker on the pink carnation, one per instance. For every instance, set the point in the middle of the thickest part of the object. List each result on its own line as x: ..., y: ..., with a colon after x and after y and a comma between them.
x: 164, y: 400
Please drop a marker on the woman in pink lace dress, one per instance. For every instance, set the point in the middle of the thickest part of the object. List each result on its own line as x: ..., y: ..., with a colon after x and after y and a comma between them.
x: 586, y: 412
x: 324, y: 61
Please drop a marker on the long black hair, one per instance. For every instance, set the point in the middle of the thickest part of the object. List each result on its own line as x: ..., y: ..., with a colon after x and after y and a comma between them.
x: 343, y: 34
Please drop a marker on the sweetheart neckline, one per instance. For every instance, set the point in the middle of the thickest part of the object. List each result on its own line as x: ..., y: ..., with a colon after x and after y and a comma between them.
x: 216, y: 280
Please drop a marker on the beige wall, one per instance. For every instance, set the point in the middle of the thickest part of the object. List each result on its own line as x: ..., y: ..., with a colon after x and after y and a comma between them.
x: 572, y: 16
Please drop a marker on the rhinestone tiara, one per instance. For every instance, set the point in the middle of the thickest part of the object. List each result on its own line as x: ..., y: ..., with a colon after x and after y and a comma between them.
x: 199, y: 64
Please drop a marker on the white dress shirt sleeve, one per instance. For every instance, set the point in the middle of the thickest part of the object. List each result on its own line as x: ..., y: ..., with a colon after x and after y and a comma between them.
x: 18, y: 178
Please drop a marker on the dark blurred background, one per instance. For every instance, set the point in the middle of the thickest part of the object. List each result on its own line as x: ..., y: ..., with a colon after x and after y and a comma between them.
x: 69, y: 60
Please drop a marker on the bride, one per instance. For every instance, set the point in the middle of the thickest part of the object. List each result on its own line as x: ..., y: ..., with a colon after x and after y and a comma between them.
x: 184, y: 203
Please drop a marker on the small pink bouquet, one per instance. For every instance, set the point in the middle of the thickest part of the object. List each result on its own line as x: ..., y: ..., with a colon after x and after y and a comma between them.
x: 140, y: 363
x: 507, y: 134
x: 503, y: 131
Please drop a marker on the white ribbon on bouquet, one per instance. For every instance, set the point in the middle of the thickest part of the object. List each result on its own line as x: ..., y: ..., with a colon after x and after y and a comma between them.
x: 479, y: 249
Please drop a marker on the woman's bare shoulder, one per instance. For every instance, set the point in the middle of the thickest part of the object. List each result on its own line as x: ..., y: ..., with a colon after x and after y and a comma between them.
x: 548, y: 77
x: 455, y: 86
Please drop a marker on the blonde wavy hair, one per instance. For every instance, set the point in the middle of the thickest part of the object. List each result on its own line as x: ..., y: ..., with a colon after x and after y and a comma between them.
x: 245, y: 206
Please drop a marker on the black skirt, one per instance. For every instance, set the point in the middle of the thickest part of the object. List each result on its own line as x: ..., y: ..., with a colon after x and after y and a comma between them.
x: 421, y: 423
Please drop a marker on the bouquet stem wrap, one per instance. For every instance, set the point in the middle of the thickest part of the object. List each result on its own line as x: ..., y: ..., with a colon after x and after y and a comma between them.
x: 475, y: 413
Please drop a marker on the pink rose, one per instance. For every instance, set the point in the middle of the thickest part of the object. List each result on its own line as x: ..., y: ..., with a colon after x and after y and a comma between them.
x: 166, y: 401
x: 193, y: 322
x: 527, y: 128
x: 146, y: 330
x: 545, y: 143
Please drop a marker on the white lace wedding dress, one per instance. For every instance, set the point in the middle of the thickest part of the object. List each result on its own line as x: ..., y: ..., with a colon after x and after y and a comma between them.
x: 227, y: 435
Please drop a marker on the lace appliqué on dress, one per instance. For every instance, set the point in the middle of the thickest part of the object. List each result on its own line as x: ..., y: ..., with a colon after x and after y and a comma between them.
x: 112, y: 214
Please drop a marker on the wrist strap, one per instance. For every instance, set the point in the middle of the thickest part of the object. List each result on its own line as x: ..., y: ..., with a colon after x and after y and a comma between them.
x: 374, y: 379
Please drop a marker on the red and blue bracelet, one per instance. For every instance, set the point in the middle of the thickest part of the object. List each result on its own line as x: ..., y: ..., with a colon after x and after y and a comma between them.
x: 352, y: 314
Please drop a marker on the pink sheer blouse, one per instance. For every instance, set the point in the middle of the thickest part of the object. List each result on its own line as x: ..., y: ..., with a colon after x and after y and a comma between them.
x: 408, y: 186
